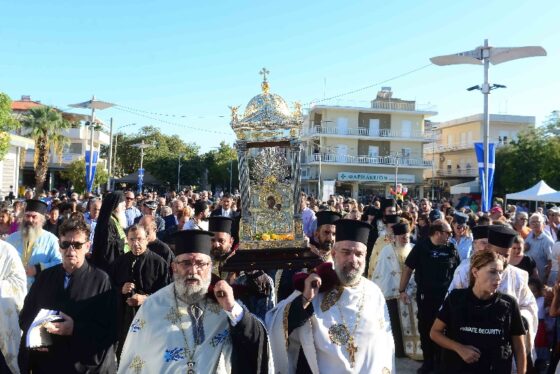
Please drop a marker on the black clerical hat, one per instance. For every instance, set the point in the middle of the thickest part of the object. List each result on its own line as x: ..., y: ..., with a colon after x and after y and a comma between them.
x: 386, y: 203
x: 353, y: 230
x: 193, y: 241
x: 392, y: 218
x: 401, y: 228
x: 36, y: 206
x: 327, y: 217
x: 461, y: 218
x: 220, y: 224
x: 501, y: 236
x: 480, y: 232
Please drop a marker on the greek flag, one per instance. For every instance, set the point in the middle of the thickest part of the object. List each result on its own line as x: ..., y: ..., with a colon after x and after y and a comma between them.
x: 89, y: 178
x: 486, y: 195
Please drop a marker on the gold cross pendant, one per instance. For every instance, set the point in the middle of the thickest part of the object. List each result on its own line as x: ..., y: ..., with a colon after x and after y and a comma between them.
x: 351, y: 348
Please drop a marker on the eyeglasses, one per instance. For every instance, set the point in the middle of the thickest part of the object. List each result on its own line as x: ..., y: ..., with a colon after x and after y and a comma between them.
x: 200, y: 265
x: 75, y: 245
x: 129, y: 198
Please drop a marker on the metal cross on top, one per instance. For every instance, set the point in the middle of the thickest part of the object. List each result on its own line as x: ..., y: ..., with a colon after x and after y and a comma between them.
x: 264, y: 72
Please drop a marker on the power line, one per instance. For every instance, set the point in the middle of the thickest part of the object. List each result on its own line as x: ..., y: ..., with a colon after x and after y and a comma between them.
x: 308, y: 104
x: 182, y: 126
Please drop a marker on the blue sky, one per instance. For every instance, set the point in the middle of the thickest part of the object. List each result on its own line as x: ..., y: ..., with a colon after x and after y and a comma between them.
x: 194, y: 59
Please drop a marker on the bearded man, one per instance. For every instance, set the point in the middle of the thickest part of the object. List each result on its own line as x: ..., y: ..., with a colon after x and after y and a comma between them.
x: 342, y: 329
x: 37, y: 248
x: 387, y: 276
x: 322, y: 242
x: 192, y: 325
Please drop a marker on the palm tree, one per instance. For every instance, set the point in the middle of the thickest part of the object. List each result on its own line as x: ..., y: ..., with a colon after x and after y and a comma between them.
x: 45, y: 125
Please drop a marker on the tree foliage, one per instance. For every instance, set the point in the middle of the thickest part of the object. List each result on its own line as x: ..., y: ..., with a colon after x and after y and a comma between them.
x: 162, y: 160
x: 75, y: 172
x: 45, y: 125
x: 7, y: 123
x: 534, y: 156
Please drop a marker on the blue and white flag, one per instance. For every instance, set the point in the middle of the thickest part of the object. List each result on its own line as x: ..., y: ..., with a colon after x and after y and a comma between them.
x: 486, y: 195
x: 140, y: 179
x: 90, y: 178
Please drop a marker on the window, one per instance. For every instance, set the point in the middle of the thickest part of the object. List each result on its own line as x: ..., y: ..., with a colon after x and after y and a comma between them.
x: 342, y: 125
x: 406, y: 152
x: 406, y: 128
x: 374, y: 127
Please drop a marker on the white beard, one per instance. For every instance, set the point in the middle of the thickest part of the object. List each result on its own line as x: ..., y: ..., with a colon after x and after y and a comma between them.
x: 121, y: 217
x: 191, y: 294
x: 349, y: 275
x: 30, y: 233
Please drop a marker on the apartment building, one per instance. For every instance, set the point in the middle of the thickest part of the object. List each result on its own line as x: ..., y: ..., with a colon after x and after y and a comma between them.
x: 453, y: 153
x: 359, y: 151
x: 78, y: 142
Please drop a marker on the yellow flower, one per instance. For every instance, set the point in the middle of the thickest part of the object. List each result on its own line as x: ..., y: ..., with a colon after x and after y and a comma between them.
x: 265, y: 237
x: 274, y: 236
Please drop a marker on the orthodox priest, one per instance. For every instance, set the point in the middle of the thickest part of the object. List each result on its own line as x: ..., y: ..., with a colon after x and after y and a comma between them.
x: 13, y: 287
x: 387, y: 276
x: 83, y: 340
x: 192, y: 325
x: 37, y: 248
x: 136, y: 275
x: 343, y: 329
x: 321, y: 244
x: 222, y: 243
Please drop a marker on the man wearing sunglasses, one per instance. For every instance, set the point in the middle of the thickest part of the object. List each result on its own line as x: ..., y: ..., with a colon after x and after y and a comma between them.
x: 131, y: 212
x: 83, y: 338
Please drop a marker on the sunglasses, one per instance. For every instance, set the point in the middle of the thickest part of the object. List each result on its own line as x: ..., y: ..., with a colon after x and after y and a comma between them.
x: 129, y: 198
x: 75, y: 245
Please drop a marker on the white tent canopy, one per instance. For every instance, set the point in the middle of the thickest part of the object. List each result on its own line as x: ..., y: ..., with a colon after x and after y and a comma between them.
x: 467, y: 187
x: 534, y: 193
x: 551, y: 197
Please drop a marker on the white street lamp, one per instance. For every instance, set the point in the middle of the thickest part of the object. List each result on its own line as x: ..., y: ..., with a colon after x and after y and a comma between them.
x: 484, y: 56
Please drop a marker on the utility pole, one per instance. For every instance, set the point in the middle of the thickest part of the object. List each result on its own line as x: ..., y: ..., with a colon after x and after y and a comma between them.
x: 484, y: 56
x: 109, y: 167
x: 179, y: 172
x: 142, y: 145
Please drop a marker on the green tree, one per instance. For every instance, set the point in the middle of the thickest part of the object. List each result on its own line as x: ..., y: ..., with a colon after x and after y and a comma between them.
x: 75, y: 172
x: 218, y: 163
x: 7, y: 123
x: 162, y: 159
x: 535, y: 155
x: 45, y: 125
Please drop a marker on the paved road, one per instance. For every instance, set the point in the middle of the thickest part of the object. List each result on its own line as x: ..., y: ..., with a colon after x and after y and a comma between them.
x: 406, y: 366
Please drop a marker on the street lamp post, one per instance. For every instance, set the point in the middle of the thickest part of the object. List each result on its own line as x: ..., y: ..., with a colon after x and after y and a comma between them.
x: 92, y: 104
x: 484, y: 56
x: 179, y: 171
x: 142, y: 146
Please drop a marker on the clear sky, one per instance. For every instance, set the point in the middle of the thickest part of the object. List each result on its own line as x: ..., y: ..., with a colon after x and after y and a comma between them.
x: 193, y: 59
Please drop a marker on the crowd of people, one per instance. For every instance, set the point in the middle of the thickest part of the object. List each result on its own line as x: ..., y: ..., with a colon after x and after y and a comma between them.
x: 134, y: 282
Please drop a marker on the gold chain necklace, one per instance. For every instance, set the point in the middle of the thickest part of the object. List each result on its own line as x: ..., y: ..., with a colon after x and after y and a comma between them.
x: 340, y: 334
x: 190, y: 363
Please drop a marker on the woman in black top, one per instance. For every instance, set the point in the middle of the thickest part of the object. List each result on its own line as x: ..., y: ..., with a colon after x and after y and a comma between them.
x: 479, y: 328
x: 519, y: 259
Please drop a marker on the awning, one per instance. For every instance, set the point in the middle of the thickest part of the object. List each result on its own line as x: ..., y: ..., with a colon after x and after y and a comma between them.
x: 532, y: 194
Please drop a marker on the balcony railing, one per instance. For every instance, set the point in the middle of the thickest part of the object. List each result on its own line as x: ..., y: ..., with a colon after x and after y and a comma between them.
x: 470, y: 172
x: 368, y: 160
x: 439, y: 148
x: 365, y: 132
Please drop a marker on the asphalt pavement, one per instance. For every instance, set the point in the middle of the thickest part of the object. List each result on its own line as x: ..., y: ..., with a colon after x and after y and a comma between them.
x: 406, y: 366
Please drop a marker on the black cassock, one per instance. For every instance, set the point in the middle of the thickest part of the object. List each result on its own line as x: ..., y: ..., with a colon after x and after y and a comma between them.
x: 90, y: 301
x: 149, y: 273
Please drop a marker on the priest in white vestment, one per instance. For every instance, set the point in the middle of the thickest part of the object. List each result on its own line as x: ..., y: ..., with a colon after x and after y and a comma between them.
x: 514, y: 280
x: 13, y: 288
x: 194, y: 325
x: 387, y: 275
x: 342, y: 329
x: 385, y: 237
